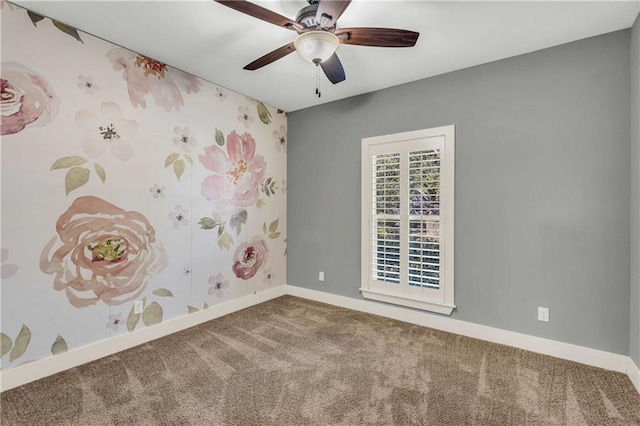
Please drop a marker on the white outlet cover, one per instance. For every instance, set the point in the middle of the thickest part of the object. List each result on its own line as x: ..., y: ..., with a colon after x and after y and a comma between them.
x: 321, y: 276
x: 543, y: 314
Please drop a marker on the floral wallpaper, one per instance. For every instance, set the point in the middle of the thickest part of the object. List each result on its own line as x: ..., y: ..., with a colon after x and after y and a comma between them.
x: 125, y: 179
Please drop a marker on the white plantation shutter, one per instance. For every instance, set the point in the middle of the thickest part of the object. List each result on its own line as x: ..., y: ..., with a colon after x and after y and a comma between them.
x: 424, y: 219
x: 407, y: 206
x: 385, y: 232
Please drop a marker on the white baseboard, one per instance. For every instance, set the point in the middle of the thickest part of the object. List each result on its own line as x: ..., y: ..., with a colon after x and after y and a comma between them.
x: 581, y: 354
x: 36, y: 370
x: 633, y: 371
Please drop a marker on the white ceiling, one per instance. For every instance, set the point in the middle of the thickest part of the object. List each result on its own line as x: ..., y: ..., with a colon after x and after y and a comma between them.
x: 214, y: 42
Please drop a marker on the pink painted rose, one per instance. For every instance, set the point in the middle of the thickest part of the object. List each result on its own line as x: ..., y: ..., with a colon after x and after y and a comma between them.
x: 250, y: 257
x: 104, y: 253
x: 236, y: 175
x: 147, y: 76
x: 9, y: 5
x: 25, y: 99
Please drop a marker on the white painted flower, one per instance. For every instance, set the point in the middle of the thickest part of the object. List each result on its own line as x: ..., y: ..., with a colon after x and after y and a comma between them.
x: 268, y: 276
x: 87, y: 84
x: 107, y: 128
x: 158, y: 191
x: 114, y: 321
x: 244, y: 117
x: 280, y: 136
x: 218, y: 285
x: 179, y: 217
x: 220, y: 94
x: 184, y: 139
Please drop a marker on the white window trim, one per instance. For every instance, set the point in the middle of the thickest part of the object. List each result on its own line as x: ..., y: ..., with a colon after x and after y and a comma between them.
x: 447, y: 155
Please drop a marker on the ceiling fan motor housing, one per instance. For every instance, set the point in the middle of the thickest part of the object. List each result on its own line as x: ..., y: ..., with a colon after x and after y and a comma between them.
x: 307, y: 15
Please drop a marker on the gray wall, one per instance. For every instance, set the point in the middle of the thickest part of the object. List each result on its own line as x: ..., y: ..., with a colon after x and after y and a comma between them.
x: 542, y: 188
x: 634, y: 337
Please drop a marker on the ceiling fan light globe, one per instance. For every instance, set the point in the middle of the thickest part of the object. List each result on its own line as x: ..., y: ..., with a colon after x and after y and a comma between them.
x: 316, y: 46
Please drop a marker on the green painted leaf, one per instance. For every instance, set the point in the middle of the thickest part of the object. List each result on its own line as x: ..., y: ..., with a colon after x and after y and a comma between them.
x: 207, y: 223
x: 66, y: 162
x: 35, y: 18
x: 101, y: 173
x: 6, y: 344
x: 132, y: 319
x: 219, y: 138
x: 263, y: 113
x: 178, y: 168
x: 191, y: 309
x: 237, y: 220
x: 273, y: 227
x: 235, y: 223
x: 238, y: 227
x: 170, y: 159
x: 76, y: 177
x: 260, y: 203
x: 268, y: 181
x: 188, y: 158
x: 274, y: 235
x: 59, y: 346
x: 242, y: 216
x: 152, y: 314
x: 67, y: 30
x: 220, y: 230
x: 206, y: 306
x: 217, y: 217
x: 162, y: 292
x: 225, y: 241
x: 264, y: 227
x: 21, y: 343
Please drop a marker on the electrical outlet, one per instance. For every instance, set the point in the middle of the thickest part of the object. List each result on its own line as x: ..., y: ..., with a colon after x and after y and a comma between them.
x: 138, y: 306
x: 321, y: 276
x: 543, y: 314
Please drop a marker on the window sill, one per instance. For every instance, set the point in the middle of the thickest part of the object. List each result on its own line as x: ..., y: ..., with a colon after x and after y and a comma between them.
x: 424, y: 305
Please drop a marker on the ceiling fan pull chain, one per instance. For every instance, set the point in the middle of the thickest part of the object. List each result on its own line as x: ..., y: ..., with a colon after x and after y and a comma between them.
x: 318, y: 81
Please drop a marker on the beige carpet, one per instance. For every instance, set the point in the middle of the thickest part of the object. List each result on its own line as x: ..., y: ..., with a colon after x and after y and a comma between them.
x: 295, y: 362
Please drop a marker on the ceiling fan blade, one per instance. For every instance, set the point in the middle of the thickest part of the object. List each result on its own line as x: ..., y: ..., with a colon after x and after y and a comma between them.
x: 378, y: 37
x: 261, y: 13
x: 329, y: 11
x: 333, y: 69
x: 280, y: 52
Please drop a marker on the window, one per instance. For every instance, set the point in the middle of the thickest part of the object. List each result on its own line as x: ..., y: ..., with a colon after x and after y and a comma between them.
x: 407, y: 219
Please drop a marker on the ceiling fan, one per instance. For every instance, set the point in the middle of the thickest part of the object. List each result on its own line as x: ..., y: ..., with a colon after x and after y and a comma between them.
x: 318, y: 38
